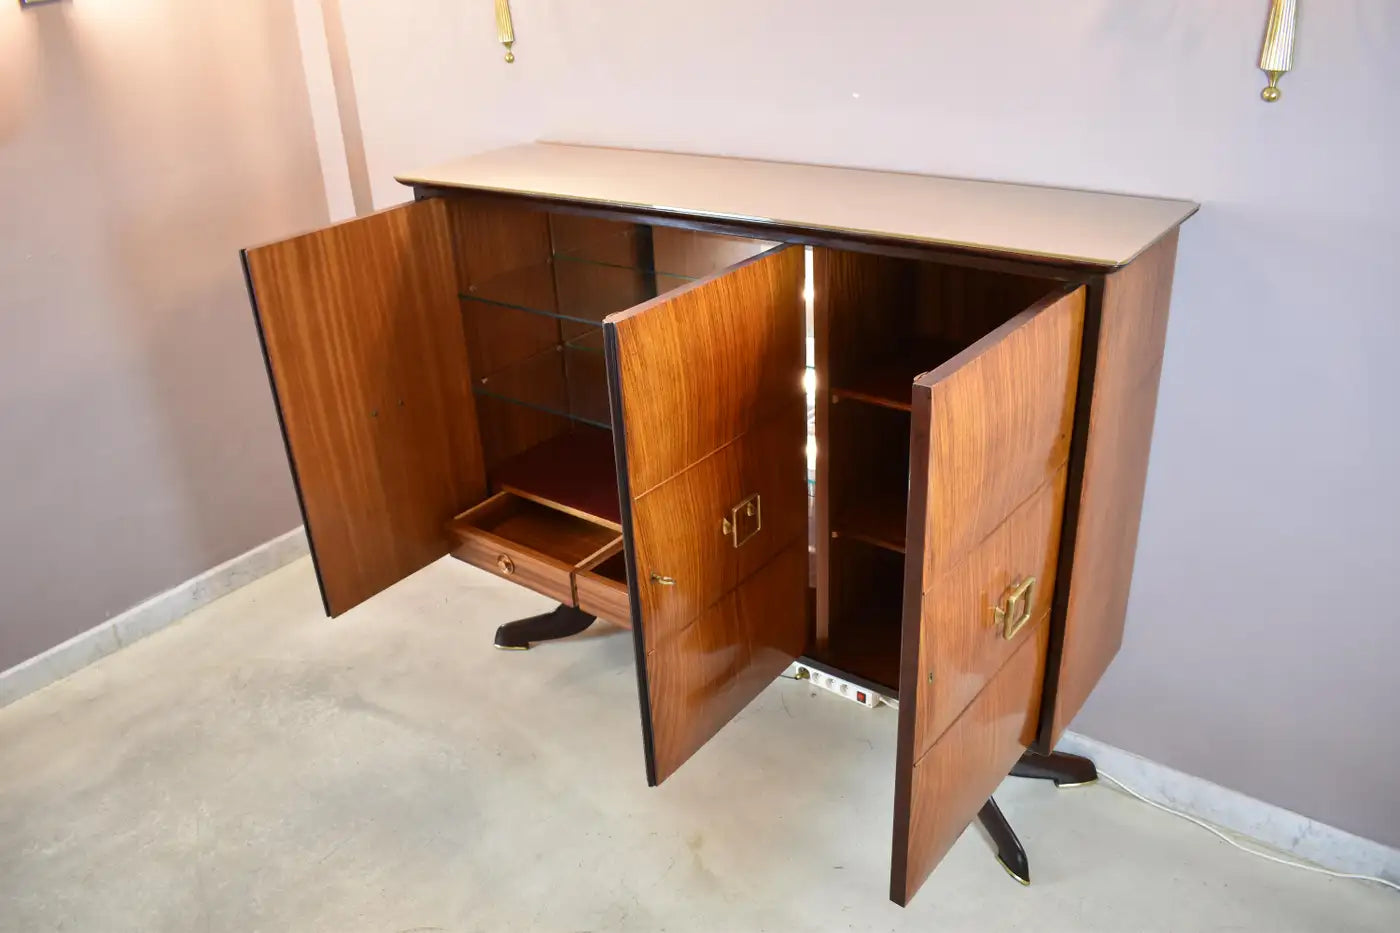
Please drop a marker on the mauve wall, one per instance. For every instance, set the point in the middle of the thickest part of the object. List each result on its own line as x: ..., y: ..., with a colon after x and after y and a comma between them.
x: 1263, y: 638
x: 142, y: 142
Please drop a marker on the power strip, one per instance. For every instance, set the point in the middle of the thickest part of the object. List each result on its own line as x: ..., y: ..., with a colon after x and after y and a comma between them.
x: 842, y: 688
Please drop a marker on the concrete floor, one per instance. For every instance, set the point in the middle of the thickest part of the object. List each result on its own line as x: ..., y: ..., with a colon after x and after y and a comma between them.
x: 257, y: 767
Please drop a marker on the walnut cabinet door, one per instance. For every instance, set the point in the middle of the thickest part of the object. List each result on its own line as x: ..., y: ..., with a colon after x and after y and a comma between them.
x: 363, y: 339
x: 989, y: 447
x: 709, y: 424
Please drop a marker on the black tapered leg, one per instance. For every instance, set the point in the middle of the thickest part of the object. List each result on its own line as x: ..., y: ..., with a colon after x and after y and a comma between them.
x: 1009, y: 851
x: 561, y: 623
x: 1064, y: 769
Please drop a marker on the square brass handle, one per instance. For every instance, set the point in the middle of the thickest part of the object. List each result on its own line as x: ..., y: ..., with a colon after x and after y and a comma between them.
x: 1017, y: 603
x: 745, y: 520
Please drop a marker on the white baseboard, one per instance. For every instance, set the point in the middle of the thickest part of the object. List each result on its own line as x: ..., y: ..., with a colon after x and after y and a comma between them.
x: 151, y: 616
x: 1281, y: 829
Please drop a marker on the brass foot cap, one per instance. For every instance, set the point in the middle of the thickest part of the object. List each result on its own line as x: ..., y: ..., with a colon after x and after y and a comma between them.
x: 1026, y: 882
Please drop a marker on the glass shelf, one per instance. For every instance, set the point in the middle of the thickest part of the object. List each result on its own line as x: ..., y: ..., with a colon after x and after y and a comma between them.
x: 669, y: 251
x: 596, y: 270
x: 565, y: 380
x: 573, y: 289
x: 590, y: 341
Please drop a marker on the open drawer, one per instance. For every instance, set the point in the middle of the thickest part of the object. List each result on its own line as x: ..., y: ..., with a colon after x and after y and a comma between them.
x: 600, y: 586
x: 529, y: 543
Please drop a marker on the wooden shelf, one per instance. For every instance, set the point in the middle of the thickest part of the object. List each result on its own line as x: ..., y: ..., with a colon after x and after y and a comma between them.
x: 877, y: 519
x: 573, y: 472
x: 866, y: 613
x: 889, y: 380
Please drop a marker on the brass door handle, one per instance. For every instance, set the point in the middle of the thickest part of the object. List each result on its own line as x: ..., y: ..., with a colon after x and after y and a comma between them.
x: 1015, y: 609
x: 663, y: 580
x: 744, y: 521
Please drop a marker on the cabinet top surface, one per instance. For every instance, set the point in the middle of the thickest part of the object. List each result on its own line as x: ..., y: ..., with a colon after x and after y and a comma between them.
x: 1089, y: 227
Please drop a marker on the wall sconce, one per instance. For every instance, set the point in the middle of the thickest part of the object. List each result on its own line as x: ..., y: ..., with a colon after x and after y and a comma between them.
x: 1276, y: 57
x: 505, y: 29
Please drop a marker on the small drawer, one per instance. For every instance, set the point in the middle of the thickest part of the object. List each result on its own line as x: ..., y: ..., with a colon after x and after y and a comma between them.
x: 600, y: 585
x: 528, y: 543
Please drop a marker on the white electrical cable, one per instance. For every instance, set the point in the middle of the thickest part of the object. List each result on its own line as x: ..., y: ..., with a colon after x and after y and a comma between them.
x: 1243, y: 848
x: 889, y: 701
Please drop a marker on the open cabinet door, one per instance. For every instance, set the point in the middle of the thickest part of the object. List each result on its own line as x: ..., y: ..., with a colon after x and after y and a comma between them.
x: 709, y: 421
x: 363, y: 339
x: 989, y: 446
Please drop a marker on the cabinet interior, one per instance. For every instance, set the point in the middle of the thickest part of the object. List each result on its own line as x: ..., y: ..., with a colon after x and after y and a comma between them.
x: 879, y: 323
x: 534, y: 287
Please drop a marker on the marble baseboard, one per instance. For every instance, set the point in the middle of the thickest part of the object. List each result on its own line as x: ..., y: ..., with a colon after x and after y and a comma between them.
x: 1280, y: 829
x: 150, y: 616
x: 1251, y: 819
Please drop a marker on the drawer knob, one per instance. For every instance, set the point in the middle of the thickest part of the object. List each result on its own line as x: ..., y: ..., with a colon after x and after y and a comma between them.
x: 1017, y: 604
x: 505, y: 565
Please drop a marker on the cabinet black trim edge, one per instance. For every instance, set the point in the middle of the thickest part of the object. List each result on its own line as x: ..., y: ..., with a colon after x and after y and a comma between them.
x: 629, y: 550
x: 282, y: 427
x: 1069, y: 524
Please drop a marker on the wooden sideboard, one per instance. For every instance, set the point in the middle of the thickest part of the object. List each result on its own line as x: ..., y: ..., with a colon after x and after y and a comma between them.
x: 582, y: 369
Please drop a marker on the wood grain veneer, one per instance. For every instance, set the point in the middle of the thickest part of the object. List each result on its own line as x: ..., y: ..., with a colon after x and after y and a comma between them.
x: 693, y: 372
x: 866, y: 612
x: 961, y: 649
x: 365, y: 349
x: 949, y: 784
x: 702, y: 364
x: 879, y: 518
x: 1118, y: 438
x: 702, y: 676
x: 678, y: 523
x: 956, y: 305
x: 859, y: 298
x: 695, y: 255
x: 600, y: 586
x: 573, y: 472
x: 864, y: 304
x: 990, y: 430
x: 887, y: 379
x: 867, y: 483
x: 1001, y: 413
x: 492, y: 237
x: 541, y: 545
